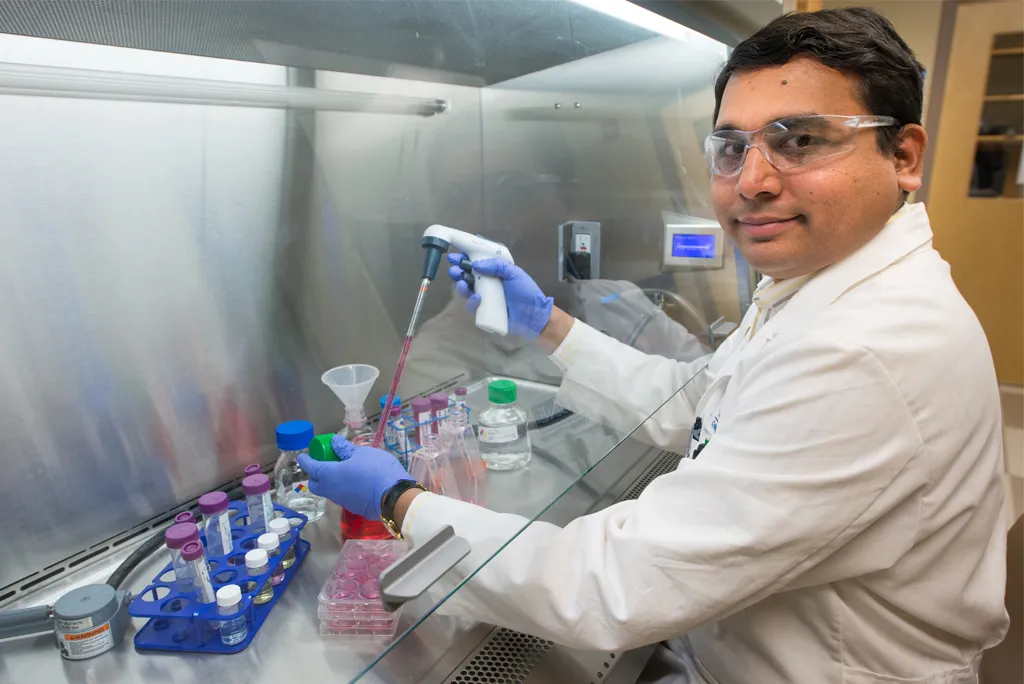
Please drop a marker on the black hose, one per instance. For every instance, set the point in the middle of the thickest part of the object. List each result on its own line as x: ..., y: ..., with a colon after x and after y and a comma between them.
x: 147, y: 547
x: 548, y: 421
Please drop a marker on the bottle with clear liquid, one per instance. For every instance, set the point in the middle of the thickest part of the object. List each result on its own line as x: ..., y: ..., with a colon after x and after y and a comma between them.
x: 270, y: 543
x: 291, y: 481
x: 503, y: 432
x: 283, y: 529
x: 257, y: 563
x: 462, y: 450
x: 229, y: 599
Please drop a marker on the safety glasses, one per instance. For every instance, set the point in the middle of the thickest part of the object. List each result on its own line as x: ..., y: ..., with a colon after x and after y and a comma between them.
x: 790, y: 142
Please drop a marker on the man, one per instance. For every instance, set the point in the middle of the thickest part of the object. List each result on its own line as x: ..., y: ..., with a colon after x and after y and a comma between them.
x: 839, y: 520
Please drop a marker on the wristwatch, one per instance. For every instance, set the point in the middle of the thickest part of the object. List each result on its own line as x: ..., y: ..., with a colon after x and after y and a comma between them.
x: 390, y: 500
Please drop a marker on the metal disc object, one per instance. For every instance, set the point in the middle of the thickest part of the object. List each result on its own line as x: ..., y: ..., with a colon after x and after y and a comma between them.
x: 90, y: 620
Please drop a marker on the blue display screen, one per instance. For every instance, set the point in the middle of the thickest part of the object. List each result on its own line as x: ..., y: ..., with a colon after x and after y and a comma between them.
x: 693, y: 246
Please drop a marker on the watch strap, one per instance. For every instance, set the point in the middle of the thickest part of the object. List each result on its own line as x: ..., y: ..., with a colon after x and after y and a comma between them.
x: 387, y: 507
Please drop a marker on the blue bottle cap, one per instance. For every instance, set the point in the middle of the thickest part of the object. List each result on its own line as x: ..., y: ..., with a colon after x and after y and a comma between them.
x: 294, y: 435
x: 396, y: 402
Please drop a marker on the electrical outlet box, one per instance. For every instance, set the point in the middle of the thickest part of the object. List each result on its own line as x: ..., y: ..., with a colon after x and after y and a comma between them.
x: 579, y: 250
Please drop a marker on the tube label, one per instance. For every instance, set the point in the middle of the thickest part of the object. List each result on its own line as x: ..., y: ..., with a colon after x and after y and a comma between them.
x: 224, y: 528
x: 201, y: 580
x: 268, y: 510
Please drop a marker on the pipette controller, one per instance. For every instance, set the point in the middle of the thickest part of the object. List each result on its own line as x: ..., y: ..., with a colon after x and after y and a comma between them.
x: 492, y: 316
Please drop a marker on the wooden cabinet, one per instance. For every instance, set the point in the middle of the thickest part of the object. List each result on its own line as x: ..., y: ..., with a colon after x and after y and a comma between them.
x: 974, y: 199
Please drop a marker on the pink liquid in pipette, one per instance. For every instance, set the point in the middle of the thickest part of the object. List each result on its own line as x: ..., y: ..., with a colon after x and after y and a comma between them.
x: 382, y: 426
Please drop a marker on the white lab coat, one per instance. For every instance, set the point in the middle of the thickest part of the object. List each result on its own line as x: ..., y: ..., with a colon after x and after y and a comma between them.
x: 843, y: 523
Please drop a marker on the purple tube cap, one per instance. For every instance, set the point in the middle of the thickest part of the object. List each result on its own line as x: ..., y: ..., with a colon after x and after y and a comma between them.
x: 192, y: 550
x: 420, y: 405
x: 461, y: 391
x: 184, y: 517
x: 256, y: 484
x: 396, y: 411
x: 253, y: 469
x: 212, y: 503
x: 177, y: 536
x: 439, y: 400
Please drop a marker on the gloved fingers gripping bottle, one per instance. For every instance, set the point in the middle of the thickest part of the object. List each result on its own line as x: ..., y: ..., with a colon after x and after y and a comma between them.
x: 352, y: 526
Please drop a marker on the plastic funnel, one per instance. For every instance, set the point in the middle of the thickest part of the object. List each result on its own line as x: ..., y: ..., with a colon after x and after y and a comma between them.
x: 352, y: 383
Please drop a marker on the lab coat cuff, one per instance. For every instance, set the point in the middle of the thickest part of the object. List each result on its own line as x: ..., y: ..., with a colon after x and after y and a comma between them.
x: 564, y: 356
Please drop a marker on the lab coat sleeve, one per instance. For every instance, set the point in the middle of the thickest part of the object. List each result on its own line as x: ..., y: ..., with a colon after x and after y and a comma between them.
x: 602, y: 381
x: 814, y: 477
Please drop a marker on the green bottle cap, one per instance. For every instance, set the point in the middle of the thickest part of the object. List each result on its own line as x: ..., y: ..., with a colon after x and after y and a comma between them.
x: 502, y: 392
x: 320, y: 448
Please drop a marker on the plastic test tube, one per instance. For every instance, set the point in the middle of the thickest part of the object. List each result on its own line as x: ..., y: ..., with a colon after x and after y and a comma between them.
x: 185, y: 517
x: 400, y: 438
x: 257, y: 498
x: 256, y: 564
x: 422, y: 414
x: 283, y: 529
x: 195, y: 558
x: 439, y: 409
x: 232, y: 631
x: 176, y: 537
x: 216, y: 523
x: 460, y: 396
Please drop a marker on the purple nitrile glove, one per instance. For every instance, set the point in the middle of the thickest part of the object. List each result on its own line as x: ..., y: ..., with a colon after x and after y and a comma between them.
x: 359, y: 481
x: 528, y: 309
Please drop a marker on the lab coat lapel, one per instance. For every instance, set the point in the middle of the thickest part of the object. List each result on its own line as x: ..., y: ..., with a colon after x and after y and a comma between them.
x: 899, y: 238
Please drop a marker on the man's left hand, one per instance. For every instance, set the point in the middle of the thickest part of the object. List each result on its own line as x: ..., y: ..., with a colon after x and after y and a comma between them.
x: 359, y: 481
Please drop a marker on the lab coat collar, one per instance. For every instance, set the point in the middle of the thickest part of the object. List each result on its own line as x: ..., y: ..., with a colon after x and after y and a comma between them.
x: 906, y: 232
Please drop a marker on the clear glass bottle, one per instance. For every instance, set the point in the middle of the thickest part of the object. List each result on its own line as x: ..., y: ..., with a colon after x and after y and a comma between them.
x: 504, y: 435
x: 270, y: 543
x: 460, y: 446
x: 229, y: 600
x: 257, y: 564
x: 257, y: 499
x: 176, y: 536
x: 291, y: 481
x: 283, y: 529
x: 216, y: 523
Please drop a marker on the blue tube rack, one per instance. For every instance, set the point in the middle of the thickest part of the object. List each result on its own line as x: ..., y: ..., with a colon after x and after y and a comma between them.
x: 411, y: 428
x: 179, y: 623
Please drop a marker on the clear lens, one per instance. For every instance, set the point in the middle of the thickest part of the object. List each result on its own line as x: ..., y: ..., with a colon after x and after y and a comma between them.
x: 788, y: 143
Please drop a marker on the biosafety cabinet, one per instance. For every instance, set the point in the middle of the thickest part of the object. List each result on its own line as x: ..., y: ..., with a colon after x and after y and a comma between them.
x: 205, y: 205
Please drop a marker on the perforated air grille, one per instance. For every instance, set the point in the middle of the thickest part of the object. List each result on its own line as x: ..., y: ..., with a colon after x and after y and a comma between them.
x: 506, y: 657
x: 666, y: 462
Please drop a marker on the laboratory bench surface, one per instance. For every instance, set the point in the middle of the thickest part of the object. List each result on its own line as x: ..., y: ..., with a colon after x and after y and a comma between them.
x: 568, y: 476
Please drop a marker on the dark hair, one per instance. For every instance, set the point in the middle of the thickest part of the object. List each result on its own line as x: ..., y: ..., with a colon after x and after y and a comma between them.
x: 855, y: 40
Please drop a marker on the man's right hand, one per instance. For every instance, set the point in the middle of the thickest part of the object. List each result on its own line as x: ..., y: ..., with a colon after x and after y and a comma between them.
x: 528, y: 309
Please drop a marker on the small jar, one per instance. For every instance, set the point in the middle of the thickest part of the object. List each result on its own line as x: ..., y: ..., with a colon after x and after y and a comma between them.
x: 283, y: 529
x: 269, y: 543
x: 229, y: 601
x: 257, y: 564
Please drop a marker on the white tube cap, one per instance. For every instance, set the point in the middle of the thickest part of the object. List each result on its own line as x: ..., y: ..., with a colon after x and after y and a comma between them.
x: 280, y: 526
x: 229, y: 595
x: 255, y: 559
x: 268, y: 541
